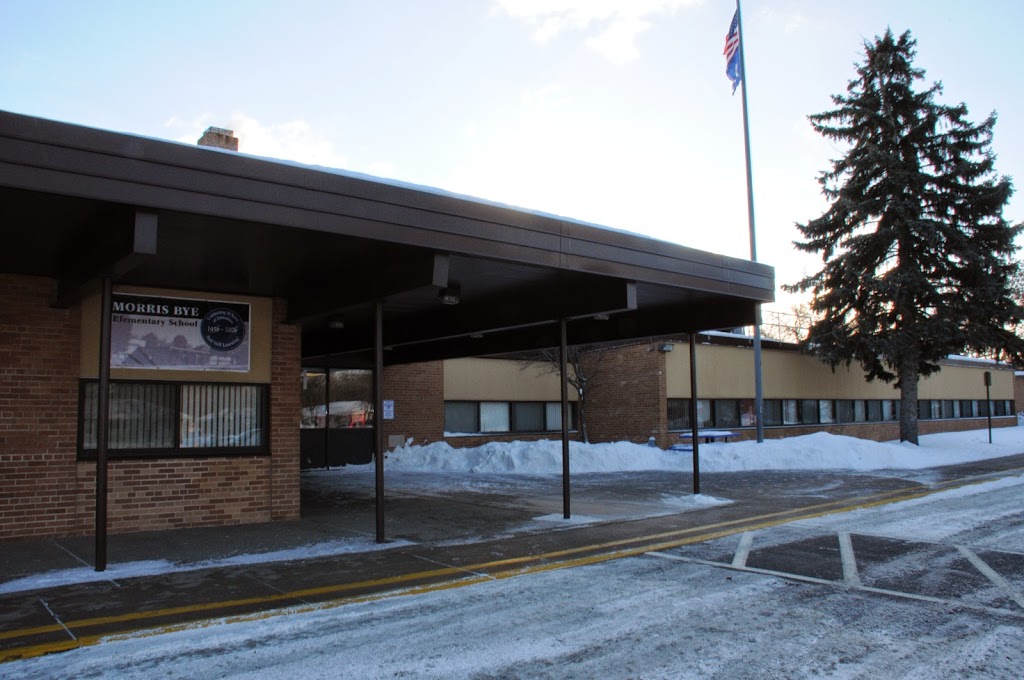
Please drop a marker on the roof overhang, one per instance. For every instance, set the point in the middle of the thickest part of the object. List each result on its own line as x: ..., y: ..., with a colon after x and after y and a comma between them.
x: 78, y: 203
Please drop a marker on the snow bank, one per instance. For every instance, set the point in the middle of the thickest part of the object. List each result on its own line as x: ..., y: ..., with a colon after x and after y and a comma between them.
x: 818, y: 451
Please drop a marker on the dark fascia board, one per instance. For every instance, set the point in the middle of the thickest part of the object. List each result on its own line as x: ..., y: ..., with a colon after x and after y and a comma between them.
x: 61, y: 158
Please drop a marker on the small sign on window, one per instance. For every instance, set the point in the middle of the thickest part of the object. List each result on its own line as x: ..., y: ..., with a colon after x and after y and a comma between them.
x: 389, y: 409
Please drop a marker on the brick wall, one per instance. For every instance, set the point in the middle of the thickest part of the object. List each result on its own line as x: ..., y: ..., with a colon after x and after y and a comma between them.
x: 45, y: 491
x: 466, y: 442
x: 38, y: 409
x: 174, y: 493
x: 418, y: 392
x: 285, y: 409
x: 627, y: 400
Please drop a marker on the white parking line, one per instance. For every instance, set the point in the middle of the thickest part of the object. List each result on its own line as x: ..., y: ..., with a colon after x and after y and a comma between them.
x: 825, y: 582
x: 850, y: 575
x: 992, y: 575
x: 743, y: 549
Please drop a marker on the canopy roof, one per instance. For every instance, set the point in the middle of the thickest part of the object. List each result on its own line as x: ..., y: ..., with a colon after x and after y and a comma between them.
x: 79, y: 203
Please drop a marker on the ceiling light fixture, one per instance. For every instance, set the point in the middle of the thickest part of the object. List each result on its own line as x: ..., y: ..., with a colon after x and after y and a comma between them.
x: 450, y: 295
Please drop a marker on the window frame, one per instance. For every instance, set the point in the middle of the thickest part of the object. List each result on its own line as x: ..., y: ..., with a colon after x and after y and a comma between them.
x: 176, y: 449
x: 513, y: 426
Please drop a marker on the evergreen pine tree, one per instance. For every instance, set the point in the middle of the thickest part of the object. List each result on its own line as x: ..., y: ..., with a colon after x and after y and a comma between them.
x: 918, y: 259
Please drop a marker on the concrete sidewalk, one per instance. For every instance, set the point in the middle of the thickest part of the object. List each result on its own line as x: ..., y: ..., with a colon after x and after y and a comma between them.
x: 440, y: 528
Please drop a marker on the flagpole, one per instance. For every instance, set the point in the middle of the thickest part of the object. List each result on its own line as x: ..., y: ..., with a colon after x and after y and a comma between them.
x: 758, y: 386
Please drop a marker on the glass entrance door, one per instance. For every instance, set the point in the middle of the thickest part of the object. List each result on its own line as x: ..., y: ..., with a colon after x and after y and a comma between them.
x: 337, y: 417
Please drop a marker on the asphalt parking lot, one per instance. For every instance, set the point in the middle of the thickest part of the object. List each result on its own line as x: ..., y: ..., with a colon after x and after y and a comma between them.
x: 949, y: 574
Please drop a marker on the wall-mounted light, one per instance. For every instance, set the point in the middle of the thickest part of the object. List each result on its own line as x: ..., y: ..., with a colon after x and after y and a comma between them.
x: 450, y: 295
x: 336, y: 321
x: 666, y: 347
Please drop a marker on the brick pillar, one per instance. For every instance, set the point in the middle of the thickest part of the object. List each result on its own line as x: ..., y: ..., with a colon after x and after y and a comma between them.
x: 628, y: 400
x: 285, y: 406
x: 39, y: 365
x: 418, y: 391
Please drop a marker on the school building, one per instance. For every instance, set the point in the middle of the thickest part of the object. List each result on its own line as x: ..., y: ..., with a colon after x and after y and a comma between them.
x: 184, y: 328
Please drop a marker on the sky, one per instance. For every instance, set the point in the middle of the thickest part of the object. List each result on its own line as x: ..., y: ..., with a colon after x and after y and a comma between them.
x: 615, y: 112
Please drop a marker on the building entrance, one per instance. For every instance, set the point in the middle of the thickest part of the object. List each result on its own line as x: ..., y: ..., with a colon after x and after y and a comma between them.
x: 337, y: 417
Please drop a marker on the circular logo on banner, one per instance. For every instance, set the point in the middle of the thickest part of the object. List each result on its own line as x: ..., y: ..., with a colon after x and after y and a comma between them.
x: 222, y: 329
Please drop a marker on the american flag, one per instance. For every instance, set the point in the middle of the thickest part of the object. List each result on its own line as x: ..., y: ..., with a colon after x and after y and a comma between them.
x: 732, y: 52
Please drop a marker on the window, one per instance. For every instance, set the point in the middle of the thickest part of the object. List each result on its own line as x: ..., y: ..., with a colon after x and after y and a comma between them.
x: 772, y: 412
x: 860, y: 412
x: 528, y: 416
x: 679, y: 414
x: 790, y: 412
x: 845, y: 411
x: 350, y: 402
x: 553, y: 412
x: 461, y: 416
x: 704, y: 413
x: 826, y: 411
x: 314, y: 399
x: 874, y: 410
x: 967, y: 408
x: 337, y: 398
x: 142, y: 416
x: 748, y: 412
x: 166, y: 419
x: 727, y: 413
x: 221, y: 415
x: 553, y: 415
x: 808, y: 411
x: 474, y: 417
x: 494, y: 416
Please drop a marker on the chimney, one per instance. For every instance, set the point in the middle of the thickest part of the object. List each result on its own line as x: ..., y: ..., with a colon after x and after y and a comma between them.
x: 220, y: 138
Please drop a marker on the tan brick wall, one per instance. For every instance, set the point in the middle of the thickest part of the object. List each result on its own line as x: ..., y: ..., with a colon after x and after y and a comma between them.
x: 285, y: 408
x: 175, y: 493
x: 418, y: 392
x: 627, y: 400
x: 38, y: 409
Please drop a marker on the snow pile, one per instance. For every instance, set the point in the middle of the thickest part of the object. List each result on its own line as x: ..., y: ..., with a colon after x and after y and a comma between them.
x: 818, y: 451
x: 542, y: 457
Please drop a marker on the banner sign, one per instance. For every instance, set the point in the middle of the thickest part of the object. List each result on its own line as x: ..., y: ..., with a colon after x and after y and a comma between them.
x: 154, y: 332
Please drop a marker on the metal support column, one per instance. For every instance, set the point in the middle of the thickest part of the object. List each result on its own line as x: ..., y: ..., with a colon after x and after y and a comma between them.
x: 378, y: 416
x: 103, y: 424
x: 693, y: 413
x: 564, y: 372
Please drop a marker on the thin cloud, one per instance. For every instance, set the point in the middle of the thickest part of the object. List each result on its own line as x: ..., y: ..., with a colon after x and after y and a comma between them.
x: 294, y: 140
x: 610, y: 27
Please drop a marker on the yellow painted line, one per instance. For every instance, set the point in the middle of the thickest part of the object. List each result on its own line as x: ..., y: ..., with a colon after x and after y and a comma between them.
x: 723, y: 529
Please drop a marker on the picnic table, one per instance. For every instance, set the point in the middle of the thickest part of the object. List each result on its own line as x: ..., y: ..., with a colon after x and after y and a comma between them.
x: 709, y: 436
